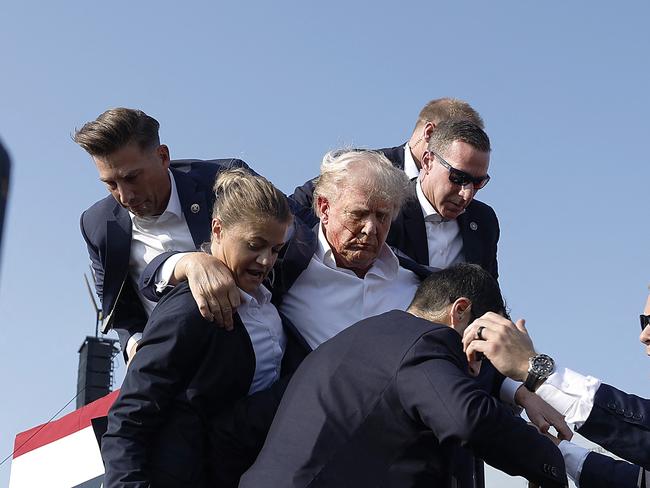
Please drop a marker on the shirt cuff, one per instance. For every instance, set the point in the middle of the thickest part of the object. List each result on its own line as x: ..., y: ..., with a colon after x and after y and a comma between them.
x: 574, y: 457
x: 133, y: 340
x: 166, y: 271
x: 507, y: 392
x: 571, y: 394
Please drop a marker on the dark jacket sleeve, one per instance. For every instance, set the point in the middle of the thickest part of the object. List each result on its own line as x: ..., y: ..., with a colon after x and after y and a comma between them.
x: 436, y: 389
x: 303, y: 197
x: 169, y: 353
x: 600, y: 471
x: 620, y: 422
x: 130, y: 316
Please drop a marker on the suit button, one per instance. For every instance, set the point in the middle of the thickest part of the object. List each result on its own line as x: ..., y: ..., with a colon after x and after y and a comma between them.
x: 554, y: 471
x: 611, y: 406
x: 627, y: 414
x: 637, y: 417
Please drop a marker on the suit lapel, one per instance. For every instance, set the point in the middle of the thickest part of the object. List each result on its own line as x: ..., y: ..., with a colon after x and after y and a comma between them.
x: 118, y: 250
x: 196, y: 209
x: 468, y: 231
x: 415, y: 231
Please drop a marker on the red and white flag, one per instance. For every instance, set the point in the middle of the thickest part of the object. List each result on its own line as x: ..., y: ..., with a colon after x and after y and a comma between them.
x: 63, y: 453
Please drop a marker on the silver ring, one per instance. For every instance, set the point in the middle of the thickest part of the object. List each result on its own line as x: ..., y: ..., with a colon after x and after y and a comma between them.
x: 479, y: 333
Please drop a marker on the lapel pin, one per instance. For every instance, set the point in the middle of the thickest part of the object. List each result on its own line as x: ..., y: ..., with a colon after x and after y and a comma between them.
x: 195, y: 209
x: 473, y: 225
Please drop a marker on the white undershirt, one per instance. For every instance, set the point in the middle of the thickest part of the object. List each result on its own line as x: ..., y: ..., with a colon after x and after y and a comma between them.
x: 265, y: 330
x: 326, y: 299
x: 444, y: 241
x: 410, y: 167
x: 151, y: 236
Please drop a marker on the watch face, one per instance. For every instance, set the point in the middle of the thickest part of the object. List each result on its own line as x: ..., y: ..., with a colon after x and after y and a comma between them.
x: 542, y: 365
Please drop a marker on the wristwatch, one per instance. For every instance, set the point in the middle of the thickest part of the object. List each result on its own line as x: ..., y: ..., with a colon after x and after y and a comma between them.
x: 540, y: 367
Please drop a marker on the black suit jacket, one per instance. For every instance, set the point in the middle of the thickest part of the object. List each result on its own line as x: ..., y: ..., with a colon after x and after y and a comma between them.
x: 106, y: 228
x: 351, y: 413
x: 479, y: 229
x: 620, y: 422
x: 600, y: 471
x: 186, y: 374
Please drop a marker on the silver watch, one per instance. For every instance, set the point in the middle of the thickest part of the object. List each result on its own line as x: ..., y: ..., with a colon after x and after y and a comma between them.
x: 540, y: 367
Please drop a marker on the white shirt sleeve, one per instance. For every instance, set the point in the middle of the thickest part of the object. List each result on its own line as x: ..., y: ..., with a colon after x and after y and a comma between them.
x: 574, y: 457
x: 571, y: 394
x: 507, y: 393
x: 165, y: 272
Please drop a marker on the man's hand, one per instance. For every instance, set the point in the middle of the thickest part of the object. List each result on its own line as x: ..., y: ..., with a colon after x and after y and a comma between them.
x: 212, y: 286
x: 542, y: 414
x: 507, y: 345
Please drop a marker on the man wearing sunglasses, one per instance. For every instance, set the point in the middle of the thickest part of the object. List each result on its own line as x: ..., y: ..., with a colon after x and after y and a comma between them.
x: 442, y: 224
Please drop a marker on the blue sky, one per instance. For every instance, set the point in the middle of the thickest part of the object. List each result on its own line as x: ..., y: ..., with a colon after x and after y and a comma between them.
x: 562, y: 88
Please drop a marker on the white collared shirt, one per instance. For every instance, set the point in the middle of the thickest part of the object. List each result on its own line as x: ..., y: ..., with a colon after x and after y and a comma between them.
x: 151, y: 236
x: 265, y: 330
x: 444, y: 241
x: 410, y: 166
x: 326, y: 299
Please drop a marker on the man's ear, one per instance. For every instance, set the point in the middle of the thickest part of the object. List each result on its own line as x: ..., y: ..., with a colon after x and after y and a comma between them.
x: 323, y: 205
x: 163, y: 154
x: 428, y: 129
x: 427, y: 160
x: 217, y: 230
x: 459, y: 314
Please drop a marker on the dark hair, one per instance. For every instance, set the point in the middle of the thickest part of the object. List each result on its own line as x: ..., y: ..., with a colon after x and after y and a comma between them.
x: 116, y: 128
x: 444, y: 287
x: 452, y: 130
x: 448, y: 108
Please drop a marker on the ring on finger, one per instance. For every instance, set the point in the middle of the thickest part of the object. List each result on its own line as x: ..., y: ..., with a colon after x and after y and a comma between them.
x: 479, y: 332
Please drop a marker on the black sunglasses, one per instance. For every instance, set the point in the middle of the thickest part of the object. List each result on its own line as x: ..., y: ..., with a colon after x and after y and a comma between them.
x: 461, y: 178
x: 645, y: 321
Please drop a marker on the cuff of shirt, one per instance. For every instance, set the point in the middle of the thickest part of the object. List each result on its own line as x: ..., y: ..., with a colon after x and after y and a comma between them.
x: 574, y: 457
x: 133, y: 340
x: 571, y: 394
x: 507, y: 392
x: 166, y: 271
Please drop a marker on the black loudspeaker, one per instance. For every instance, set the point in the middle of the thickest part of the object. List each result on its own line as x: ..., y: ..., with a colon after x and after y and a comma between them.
x: 4, y: 187
x: 95, y: 377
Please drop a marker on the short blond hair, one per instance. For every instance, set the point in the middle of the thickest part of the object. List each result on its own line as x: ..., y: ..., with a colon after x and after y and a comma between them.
x: 448, y: 108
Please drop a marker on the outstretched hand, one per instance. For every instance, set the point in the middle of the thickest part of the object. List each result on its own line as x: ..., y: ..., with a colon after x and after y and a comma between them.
x: 541, y: 414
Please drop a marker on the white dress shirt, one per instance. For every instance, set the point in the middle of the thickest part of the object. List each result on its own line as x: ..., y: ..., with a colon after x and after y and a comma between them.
x: 570, y: 393
x: 151, y: 236
x: 264, y: 327
x: 410, y: 166
x: 444, y: 241
x: 326, y: 299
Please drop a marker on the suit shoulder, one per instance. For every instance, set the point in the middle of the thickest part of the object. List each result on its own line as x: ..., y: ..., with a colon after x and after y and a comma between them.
x: 481, y: 209
x: 96, y: 214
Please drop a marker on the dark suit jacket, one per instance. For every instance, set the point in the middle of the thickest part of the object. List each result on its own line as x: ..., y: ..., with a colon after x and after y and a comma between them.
x: 187, y: 372
x: 600, y: 471
x: 351, y: 412
x: 106, y: 228
x: 620, y: 422
x: 479, y: 229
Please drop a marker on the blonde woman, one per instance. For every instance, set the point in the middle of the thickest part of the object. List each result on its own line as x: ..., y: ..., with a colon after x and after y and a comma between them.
x: 187, y: 370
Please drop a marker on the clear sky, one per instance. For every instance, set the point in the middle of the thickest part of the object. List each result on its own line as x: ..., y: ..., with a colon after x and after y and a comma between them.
x: 562, y: 86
